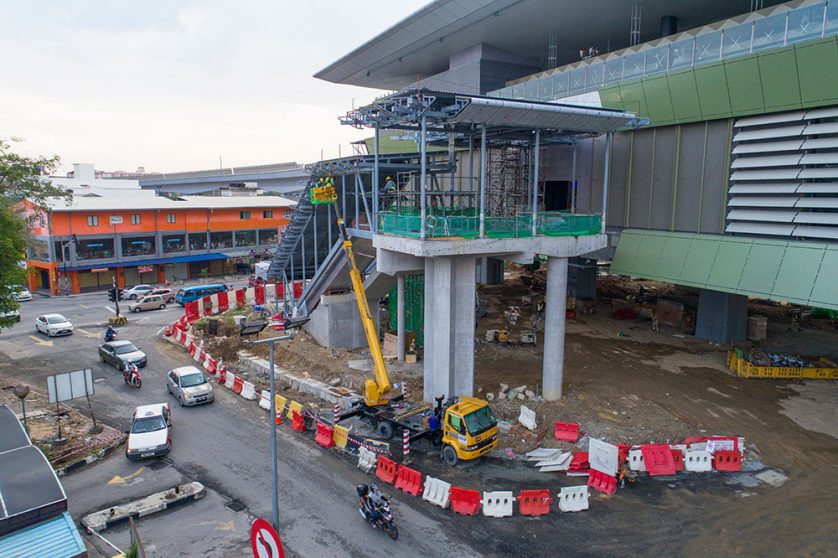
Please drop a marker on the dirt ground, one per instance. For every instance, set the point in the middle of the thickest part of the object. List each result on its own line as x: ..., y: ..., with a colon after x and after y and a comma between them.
x: 42, y: 424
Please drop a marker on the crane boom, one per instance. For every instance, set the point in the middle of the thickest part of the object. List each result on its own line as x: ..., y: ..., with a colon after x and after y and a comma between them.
x: 375, y: 392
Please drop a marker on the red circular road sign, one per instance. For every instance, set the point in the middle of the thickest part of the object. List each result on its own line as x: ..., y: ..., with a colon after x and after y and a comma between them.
x: 264, y: 541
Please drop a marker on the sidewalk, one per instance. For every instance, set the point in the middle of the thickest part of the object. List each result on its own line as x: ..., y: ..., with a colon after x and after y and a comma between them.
x: 237, y: 280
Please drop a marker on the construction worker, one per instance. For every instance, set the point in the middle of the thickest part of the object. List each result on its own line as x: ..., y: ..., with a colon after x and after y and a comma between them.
x: 656, y: 325
x: 390, y: 186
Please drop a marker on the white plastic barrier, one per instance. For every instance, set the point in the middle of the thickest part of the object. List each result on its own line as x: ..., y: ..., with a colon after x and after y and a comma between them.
x: 573, y: 498
x: 199, y: 355
x: 249, y: 391
x: 214, y: 302
x: 231, y: 379
x: 366, y: 459
x: 697, y: 461
x: 206, y: 362
x: 527, y: 417
x: 635, y: 460
x: 250, y: 295
x: 270, y: 292
x: 498, y: 504
x: 603, y: 457
x: 265, y: 400
x: 437, y: 492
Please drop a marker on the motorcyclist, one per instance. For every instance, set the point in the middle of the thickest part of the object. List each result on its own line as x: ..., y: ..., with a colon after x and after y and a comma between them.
x: 371, y: 499
x: 110, y: 334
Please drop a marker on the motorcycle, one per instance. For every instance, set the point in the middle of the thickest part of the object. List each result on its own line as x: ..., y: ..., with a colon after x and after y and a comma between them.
x: 110, y: 336
x: 131, y: 375
x: 384, y: 519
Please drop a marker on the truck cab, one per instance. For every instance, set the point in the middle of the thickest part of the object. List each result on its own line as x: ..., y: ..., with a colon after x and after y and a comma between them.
x: 469, y: 430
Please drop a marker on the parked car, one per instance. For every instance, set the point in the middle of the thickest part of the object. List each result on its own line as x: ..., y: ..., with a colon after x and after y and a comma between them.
x: 189, y: 385
x: 148, y: 302
x: 137, y: 291
x: 150, y: 434
x: 167, y: 294
x: 53, y: 324
x: 190, y: 294
x: 23, y: 295
x: 11, y: 314
x: 118, y: 353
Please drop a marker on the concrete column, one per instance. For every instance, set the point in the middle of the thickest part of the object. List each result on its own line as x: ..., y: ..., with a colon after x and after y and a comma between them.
x: 554, y: 328
x: 722, y: 317
x: 400, y: 316
x: 449, y: 326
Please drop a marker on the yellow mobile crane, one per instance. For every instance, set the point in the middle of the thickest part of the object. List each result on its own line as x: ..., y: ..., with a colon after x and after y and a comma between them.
x: 464, y: 427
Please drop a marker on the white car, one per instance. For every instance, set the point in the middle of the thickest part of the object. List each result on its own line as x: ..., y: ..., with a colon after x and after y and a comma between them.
x: 189, y: 385
x: 53, y: 324
x: 150, y: 434
x: 137, y: 291
x: 11, y: 314
x: 23, y: 295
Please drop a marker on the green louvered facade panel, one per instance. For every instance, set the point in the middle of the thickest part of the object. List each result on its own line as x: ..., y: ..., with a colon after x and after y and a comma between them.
x: 799, y: 272
x: 684, y: 95
x: 633, y: 98
x: 658, y: 101
x: 743, y: 86
x: 817, y: 69
x: 780, y: 84
x: 714, y: 101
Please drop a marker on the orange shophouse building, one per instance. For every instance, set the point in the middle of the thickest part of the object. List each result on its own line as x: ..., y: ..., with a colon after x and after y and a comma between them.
x: 137, y: 237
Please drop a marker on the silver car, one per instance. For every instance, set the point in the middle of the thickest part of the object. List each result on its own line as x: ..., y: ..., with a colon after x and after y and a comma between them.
x: 189, y: 385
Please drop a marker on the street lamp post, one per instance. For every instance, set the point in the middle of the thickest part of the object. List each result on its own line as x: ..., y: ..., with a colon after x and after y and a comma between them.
x: 253, y: 328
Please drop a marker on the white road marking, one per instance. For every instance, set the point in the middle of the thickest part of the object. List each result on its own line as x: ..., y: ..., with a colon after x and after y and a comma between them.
x: 109, y: 309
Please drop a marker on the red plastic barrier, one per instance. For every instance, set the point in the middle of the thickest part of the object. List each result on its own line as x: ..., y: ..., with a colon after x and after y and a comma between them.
x: 466, y: 502
x: 324, y: 436
x: 622, y: 453
x: 409, y: 480
x: 534, y: 502
x: 211, y: 364
x: 222, y: 375
x: 729, y: 461
x: 579, y: 463
x: 678, y: 458
x: 223, y: 302
x: 298, y: 423
x: 192, y: 348
x: 602, y: 482
x: 658, y: 459
x: 386, y: 470
x: 567, y: 431
x: 240, y: 298
x: 191, y: 311
x: 238, y: 383
x: 260, y: 294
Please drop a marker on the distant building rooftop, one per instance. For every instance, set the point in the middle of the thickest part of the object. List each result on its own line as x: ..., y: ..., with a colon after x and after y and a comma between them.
x: 104, y: 200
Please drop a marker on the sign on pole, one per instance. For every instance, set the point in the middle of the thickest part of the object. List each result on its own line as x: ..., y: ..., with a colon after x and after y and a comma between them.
x: 264, y: 541
x: 70, y: 385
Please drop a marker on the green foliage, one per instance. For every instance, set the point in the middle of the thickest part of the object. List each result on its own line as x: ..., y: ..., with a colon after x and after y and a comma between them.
x: 132, y: 552
x: 20, y: 179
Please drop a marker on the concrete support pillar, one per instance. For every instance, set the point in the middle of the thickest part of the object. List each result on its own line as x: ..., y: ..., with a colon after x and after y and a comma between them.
x: 449, y: 326
x: 554, y: 328
x: 400, y: 316
x: 722, y: 317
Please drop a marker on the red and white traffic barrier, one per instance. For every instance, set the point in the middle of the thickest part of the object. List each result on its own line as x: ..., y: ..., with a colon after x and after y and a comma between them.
x: 405, y: 443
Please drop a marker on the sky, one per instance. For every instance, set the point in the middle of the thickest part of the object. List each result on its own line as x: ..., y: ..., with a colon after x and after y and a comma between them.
x: 175, y: 84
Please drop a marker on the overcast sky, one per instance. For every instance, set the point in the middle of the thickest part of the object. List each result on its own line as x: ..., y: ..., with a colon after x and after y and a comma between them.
x: 174, y: 84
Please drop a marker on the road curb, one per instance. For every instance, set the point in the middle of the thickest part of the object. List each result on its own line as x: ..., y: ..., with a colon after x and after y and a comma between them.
x: 175, y: 496
x: 98, y: 456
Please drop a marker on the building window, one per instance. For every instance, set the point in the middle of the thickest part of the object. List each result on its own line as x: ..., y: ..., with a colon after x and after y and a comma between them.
x: 245, y: 238
x: 92, y: 220
x: 267, y: 214
x: 94, y: 248
x: 268, y: 237
x: 198, y: 241
x: 138, y: 245
x: 39, y: 250
x: 170, y: 217
x: 135, y: 218
x: 244, y: 215
x: 221, y: 240
x: 289, y: 212
x: 176, y: 242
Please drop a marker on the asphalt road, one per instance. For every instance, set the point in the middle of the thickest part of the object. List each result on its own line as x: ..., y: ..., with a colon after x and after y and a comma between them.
x: 225, y: 446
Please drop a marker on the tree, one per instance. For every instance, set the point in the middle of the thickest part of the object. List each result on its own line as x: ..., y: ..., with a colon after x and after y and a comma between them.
x: 21, y: 181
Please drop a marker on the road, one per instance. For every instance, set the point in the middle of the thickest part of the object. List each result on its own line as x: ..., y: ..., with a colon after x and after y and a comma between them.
x: 224, y: 445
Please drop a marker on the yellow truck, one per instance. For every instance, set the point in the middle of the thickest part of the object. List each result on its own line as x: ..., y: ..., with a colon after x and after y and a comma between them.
x: 463, y: 427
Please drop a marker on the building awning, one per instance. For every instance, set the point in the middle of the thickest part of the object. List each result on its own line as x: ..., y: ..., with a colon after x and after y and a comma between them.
x: 799, y: 272
x: 56, y: 538
x: 153, y: 261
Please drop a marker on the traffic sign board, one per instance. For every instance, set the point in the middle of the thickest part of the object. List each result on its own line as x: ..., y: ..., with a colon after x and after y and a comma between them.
x: 264, y: 541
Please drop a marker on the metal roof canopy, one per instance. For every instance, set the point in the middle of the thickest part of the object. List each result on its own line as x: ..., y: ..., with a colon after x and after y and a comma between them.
x: 29, y: 489
x: 506, y: 119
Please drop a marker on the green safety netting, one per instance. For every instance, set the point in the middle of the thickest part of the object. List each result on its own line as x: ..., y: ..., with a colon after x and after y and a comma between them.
x: 444, y: 222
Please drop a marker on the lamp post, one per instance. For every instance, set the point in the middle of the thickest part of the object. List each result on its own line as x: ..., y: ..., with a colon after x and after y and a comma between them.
x: 22, y: 390
x: 254, y: 328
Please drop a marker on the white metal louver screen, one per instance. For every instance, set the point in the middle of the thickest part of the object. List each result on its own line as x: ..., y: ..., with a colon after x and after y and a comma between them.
x: 784, y: 175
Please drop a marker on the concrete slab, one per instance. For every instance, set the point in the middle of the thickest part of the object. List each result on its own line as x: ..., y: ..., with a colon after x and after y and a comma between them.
x: 561, y: 247
x: 101, y: 520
